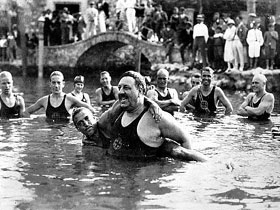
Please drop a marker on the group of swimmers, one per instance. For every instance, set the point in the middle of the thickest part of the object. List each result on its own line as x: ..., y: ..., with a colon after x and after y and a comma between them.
x: 135, y: 126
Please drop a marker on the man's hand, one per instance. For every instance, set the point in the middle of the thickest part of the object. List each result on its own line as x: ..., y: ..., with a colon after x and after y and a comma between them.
x: 154, y: 109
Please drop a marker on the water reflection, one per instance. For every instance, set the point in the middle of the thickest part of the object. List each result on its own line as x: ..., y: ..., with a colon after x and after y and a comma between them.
x: 44, y: 165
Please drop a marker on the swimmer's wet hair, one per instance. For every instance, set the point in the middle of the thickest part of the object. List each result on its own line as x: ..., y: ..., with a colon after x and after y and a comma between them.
x: 207, y: 69
x: 104, y: 72
x: 262, y: 77
x: 56, y: 73
x: 139, y: 80
x: 162, y: 71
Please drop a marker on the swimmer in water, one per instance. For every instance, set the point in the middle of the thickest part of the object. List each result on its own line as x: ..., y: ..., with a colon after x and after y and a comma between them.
x: 166, y: 98
x: 58, y: 103
x: 11, y: 105
x: 207, y: 96
x: 107, y: 94
x: 128, y: 129
x: 259, y: 104
x: 79, y: 83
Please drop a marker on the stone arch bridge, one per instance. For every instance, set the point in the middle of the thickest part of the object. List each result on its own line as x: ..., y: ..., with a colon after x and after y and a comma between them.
x: 98, y: 48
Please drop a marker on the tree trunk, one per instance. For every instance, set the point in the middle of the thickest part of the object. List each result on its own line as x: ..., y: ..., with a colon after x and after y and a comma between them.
x: 251, y: 6
x: 200, y: 6
x: 21, y: 28
x: 277, y: 9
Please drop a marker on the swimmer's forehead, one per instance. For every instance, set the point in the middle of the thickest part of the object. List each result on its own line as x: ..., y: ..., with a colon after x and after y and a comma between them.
x: 6, y: 75
x: 163, y: 72
x: 6, y: 78
x: 82, y: 114
x: 57, y: 77
x: 127, y: 80
x: 259, y: 78
x: 206, y: 72
x: 195, y: 79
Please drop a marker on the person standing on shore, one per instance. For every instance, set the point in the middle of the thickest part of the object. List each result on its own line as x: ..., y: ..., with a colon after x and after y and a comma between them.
x: 255, y: 41
x: 270, y: 41
x: 11, y: 105
x: 200, y: 38
x: 91, y: 20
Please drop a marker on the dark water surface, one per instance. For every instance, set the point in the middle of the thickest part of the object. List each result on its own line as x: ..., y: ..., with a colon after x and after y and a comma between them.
x: 44, y: 166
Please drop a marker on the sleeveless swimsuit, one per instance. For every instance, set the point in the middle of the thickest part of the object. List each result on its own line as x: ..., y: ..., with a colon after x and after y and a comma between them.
x: 205, y: 104
x: 57, y: 113
x: 164, y: 98
x: 109, y: 97
x: 10, y: 112
x: 261, y: 117
x: 127, y: 144
x: 83, y: 99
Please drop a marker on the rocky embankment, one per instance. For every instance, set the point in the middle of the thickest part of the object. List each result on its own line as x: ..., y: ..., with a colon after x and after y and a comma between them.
x: 234, y: 80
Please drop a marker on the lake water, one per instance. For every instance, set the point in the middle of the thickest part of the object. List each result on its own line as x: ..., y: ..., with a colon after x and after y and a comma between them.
x: 44, y: 166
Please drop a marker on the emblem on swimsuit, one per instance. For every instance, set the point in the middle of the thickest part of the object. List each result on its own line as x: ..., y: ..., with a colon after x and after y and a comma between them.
x: 117, y: 144
x: 55, y: 115
x: 204, y: 105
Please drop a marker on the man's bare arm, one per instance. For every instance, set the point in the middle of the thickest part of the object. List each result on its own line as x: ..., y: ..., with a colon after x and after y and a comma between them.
x: 267, y: 101
x: 224, y: 100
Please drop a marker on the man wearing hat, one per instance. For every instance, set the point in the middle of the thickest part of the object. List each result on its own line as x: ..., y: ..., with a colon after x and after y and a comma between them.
x: 255, y: 41
x: 78, y: 88
x: 200, y: 37
x: 91, y: 18
x: 229, y: 37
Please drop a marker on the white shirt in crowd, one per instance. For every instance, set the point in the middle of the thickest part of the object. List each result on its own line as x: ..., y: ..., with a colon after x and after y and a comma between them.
x: 200, y: 29
x: 130, y: 3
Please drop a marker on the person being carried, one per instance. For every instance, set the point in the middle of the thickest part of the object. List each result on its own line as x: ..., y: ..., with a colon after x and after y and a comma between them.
x: 166, y: 98
x: 259, y: 104
x: 207, y: 96
x: 11, y: 105
x: 78, y: 88
x: 107, y: 94
x: 128, y: 129
x: 58, y: 104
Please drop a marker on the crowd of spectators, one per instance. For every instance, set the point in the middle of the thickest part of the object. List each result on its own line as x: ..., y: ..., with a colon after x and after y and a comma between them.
x: 224, y: 42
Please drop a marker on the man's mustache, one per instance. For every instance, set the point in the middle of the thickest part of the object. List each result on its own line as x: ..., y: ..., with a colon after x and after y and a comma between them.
x: 122, y: 95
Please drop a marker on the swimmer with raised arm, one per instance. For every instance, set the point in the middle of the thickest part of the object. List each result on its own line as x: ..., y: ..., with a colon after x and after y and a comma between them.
x: 259, y: 104
x: 58, y: 103
x: 11, y: 105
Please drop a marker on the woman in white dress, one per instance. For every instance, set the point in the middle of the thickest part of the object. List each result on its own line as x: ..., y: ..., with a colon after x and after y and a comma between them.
x: 229, y: 36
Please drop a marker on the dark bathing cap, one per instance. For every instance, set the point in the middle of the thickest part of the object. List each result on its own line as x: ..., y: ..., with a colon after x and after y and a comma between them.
x: 79, y: 79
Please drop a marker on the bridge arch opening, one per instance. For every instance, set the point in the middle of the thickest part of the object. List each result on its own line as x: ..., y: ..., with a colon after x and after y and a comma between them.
x: 113, y: 56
